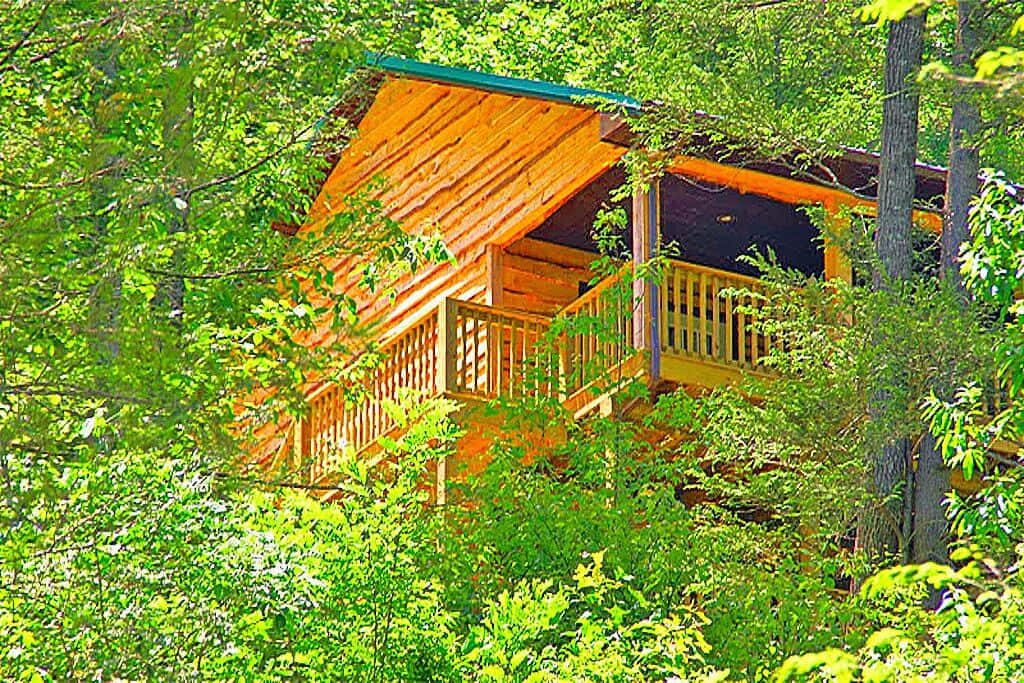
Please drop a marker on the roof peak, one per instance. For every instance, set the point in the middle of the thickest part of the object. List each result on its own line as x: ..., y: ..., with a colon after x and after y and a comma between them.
x: 506, y: 85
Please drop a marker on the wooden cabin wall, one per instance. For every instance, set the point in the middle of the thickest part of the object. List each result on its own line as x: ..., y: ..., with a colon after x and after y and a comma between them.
x: 542, y: 277
x: 477, y: 167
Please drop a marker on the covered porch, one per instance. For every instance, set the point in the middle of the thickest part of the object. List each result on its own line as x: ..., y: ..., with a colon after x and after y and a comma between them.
x: 578, y: 357
x: 546, y: 330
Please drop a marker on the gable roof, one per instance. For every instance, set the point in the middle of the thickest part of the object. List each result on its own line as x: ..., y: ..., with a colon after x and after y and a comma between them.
x: 850, y: 168
x: 506, y: 85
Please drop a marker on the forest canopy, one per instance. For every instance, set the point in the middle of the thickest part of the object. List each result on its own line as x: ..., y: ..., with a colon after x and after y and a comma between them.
x: 155, y: 159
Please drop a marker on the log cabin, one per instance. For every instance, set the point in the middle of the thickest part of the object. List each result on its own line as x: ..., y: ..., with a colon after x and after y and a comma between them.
x: 512, y: 173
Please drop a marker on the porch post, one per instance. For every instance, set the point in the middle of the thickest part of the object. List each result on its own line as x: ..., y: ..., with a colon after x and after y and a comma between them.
x: 495, y: 261
x: 837, y: 266
x: 445, y: 354
x: 646, y: 234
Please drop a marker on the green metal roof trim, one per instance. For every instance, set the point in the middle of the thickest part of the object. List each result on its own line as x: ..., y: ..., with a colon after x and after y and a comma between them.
x: 502, y: 84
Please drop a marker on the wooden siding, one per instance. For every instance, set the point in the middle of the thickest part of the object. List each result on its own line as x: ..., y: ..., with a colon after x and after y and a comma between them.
x: 541, y: 277
x: 478, y: 167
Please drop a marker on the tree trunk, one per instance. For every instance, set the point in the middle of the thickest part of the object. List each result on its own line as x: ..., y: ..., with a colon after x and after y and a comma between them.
x: 896, y: 174
x: 931, y: 485
x: 887, y: 528
x: 933, y: 476
x: 964, y: 161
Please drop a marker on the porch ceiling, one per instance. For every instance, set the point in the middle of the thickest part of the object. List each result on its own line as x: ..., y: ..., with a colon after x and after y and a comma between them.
x: 712, y: 225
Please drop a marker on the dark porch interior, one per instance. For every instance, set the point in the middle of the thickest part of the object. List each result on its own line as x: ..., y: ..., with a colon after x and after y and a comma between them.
x: 711, y: 225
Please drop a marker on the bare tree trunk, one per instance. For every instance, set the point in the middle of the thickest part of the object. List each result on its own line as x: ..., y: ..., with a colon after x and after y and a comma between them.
x: 887, y: 529
x: 930, y: 543
x: 964, y: 160
x: 896, y: 181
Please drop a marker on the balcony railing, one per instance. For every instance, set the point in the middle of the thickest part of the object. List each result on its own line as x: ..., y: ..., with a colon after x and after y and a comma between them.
x: 709, y: 314
x: 353, y: 415
x: 470, y: 350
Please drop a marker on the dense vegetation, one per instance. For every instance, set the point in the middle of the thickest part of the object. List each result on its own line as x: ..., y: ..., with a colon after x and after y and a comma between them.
x: 147, y: 151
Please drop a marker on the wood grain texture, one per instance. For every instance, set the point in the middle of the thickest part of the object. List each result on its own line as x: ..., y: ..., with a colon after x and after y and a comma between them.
x: 472, y: 166
x: 541, y: 277
x: 783, y: 189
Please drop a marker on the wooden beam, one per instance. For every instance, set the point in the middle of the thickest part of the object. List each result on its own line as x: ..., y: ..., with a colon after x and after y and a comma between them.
x: 300, y: 441
x: 446, y: 338
x: 641, y: 252
x: 441, y: 493
x: 615, y: 130
x: 783, y: 189
x: 646, y: 233
x: 539, y: 250
x: 837, y: 266
x: 495, y: 257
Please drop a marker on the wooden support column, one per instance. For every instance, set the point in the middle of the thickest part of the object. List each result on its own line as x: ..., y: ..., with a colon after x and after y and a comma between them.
x: 646, y: 235
x: 441, y: 494
x: 563, y: 368
x: 445, y: 369
x: 300, y: 442
x: 445, y: 354
x: 495, y: 259
x: 837, y: 219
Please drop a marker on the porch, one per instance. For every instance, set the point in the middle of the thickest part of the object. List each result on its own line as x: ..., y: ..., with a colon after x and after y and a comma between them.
x: 693, y: 326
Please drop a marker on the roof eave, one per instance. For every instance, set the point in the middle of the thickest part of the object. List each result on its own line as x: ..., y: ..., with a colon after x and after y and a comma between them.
x: 506, y: 85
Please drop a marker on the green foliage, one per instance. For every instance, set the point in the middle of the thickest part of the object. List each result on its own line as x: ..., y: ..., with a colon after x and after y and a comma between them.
x: 146, y: 303
x: 166, y: 572
x: 983, y: 413
x: 974, y: 635
x: 795, y: 440
x: 797, y: 80
x: 599, y: 629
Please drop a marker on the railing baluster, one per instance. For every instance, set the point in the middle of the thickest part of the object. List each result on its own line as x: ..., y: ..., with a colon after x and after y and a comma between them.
x: 471, y: 330
x: 463, y: 381
x: 337, y: 410
x: 741, y: 332
x: 361, y: 411
x: 703, y: 315
x: 677, y: 313
x: 728, y: 329
x: 755, y: 338
x: 327, y: 415
x: 766, y: 333
x: 716, y: 311
x: 415, y: 362
x: 689, y: 314
x: 662, y: 290
x: 524, y: 357
x: 314, y: 442
x: 498, y: 346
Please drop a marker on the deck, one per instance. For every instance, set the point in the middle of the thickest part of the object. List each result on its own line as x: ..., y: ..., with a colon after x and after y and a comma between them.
x: 578, y: 357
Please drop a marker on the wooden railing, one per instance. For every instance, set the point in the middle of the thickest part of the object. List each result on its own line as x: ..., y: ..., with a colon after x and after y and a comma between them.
x: 598, y: 331
x: 470, y: 350
x: 494, y: 352
x: 702, y: 317
x: 353, y: 415
x: 466, y: 349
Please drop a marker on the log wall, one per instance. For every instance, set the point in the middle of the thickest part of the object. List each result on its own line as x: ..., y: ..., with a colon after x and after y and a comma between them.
x: 478, y: 167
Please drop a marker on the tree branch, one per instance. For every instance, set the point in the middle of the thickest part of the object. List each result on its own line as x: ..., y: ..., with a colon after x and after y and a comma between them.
x: 251, y: 167
x: 28, y: 34
x: 51, y: 52
x: 65, y: 183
